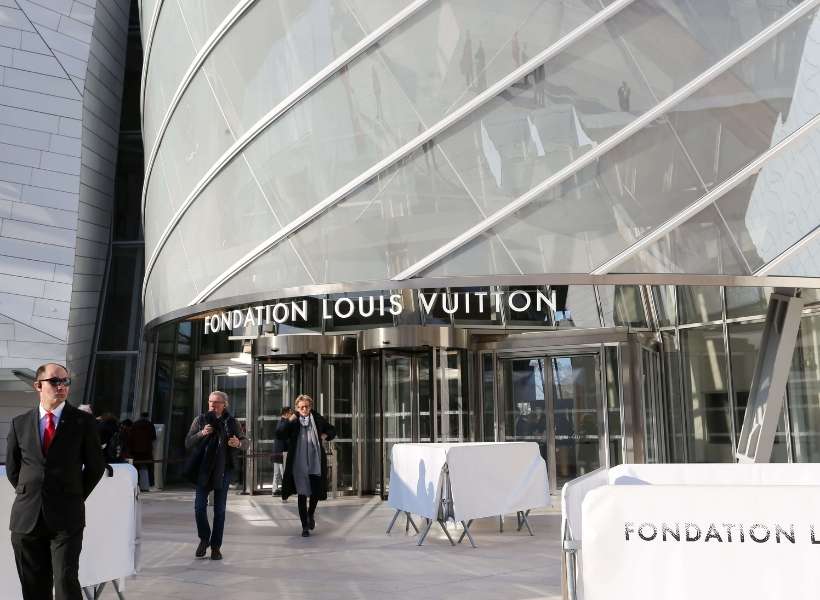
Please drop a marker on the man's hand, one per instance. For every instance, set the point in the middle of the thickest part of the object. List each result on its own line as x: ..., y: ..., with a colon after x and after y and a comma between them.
x: 207, y: 430
x: 233, y: 442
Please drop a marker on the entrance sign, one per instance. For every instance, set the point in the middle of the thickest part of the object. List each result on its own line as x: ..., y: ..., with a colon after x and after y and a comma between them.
x: 110, y: 539
x: 700, y: 530
x: 300, y: 311
x: 706, y: 542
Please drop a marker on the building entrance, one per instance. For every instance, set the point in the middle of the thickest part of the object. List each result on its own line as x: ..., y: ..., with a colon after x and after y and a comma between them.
x: 587, y: 399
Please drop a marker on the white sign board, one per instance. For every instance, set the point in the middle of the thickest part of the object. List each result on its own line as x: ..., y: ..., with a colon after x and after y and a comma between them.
x: 109, y: 539
x: 708, y: 542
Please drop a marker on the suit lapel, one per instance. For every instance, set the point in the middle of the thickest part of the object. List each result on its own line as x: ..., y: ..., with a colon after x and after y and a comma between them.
x: 35, y: 427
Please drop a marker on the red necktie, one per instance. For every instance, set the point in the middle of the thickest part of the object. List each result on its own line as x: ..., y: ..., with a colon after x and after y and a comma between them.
x: 48, y: 434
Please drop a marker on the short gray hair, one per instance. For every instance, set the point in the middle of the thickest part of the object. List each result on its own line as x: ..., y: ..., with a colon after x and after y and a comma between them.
x: 219, y: 393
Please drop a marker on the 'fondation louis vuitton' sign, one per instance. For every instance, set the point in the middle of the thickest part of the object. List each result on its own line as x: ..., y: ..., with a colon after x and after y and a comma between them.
x: 300, y: 311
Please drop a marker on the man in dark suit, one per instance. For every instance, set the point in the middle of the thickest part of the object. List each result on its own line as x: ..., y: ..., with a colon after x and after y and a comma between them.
x: 53, y: 460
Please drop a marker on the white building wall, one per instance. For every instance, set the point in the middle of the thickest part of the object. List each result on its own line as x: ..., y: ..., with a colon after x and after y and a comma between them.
x: 61, y: 68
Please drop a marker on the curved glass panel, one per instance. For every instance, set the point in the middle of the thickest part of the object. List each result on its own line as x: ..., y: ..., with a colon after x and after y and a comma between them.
x: 415, y: 76
x: 171, y: 54
x: 515, y: 142
x: 759, y: 219
x: 147, y: 8
x: 283, y: 265
x: 280, y: 44
x: 193, y: 141
x: 803, y: 263
x: 270, y: 50
x: 169, y: 288
x: 203, y: 18
x: 661, y: 170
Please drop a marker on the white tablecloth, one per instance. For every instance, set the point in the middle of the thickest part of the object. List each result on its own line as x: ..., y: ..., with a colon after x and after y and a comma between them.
x: 486, y: 479
x: 109, y: 539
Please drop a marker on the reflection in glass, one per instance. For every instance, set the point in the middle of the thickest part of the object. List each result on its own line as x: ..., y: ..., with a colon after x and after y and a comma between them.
x: 804, y: 392
x: 576, y: 385
x: 705, y: 390
x: 613, y: 407
x: 699, y: 304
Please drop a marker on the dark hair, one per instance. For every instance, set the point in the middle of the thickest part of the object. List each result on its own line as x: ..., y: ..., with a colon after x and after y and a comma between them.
x: 144, y: 415
x: 285, y: 410
x: 42, y: 369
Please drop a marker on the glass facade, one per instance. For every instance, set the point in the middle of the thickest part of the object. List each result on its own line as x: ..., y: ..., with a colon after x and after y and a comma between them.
x: 317, y: 150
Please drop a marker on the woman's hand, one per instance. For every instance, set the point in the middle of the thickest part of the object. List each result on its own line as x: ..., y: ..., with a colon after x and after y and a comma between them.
x: 292, y: 417
x: 234, y: 442
x: 324, y: 437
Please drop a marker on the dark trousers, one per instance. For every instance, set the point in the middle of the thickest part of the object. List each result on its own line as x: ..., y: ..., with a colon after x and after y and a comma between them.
x: 203, y: 529
x: 307, y: 504
x: 48, y: 559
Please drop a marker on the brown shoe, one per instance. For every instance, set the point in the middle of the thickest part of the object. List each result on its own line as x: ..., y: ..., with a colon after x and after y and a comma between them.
x: 216, y: 554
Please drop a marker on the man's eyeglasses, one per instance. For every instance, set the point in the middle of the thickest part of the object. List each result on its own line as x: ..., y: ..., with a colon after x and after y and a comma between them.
x: 57, y: 381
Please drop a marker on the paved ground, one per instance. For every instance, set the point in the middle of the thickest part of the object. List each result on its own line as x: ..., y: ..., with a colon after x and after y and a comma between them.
x: 349, y: 555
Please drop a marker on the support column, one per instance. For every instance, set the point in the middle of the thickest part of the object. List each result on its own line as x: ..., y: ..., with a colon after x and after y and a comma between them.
x: 769, y: 380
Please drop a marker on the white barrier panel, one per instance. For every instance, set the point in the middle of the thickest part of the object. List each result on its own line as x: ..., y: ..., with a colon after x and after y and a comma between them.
x: 415, y: 478
x: 110, y: 536
x: 717, y: 474
x: 486, y: 478
x: 706, y: 542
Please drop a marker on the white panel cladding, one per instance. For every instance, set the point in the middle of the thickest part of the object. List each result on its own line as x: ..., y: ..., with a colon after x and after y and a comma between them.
x: 102, y: 100
x: 62, y: 65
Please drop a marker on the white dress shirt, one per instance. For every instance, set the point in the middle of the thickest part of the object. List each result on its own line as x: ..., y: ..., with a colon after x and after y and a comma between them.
x: 44, y: 420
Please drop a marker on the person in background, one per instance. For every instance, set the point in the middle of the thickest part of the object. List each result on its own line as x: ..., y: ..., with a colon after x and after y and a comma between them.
x: 306, y: 463
x: 109, y: 431
x: 53, y: 460
x: 218, y: 437
x: 280, y: 448
x: 141, y: 448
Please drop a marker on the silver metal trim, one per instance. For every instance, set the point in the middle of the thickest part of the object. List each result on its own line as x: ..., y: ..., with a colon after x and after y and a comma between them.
x: 791, y: 250
x: 188, y: 311
x: 620, y: 136
x: 277, y: 111
x: 739, y: 177
x: 147, y: 49
x: 199, y: 59
x: 453, y: 118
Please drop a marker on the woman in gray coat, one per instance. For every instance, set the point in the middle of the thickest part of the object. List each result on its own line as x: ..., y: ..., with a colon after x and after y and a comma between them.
x: 306, y: 464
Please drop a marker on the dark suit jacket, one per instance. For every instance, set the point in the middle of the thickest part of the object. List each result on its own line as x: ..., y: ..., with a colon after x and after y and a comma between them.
x: 57, y: 484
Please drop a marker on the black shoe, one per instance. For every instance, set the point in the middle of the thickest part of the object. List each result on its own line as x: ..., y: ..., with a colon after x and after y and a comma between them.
x: 277, y: 492
x: 200, y: 550
x: 311, y: 523
x: 305, y: 533
x: 216, y: 554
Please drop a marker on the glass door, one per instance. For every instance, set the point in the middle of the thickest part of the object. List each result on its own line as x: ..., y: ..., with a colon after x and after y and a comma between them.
x: 577, y: 406
x: 234, y: 381
x: 556, y: 402
x: 337, y: 396
x: 278, y: 385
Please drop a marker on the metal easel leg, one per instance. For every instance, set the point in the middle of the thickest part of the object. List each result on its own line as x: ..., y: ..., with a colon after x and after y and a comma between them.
x: 466, y: 527
x: 117, y: 590
x: 525, y: 521
x: 408, y: 523
x: 447, y: 533
x: 88, y: 592
x: 467, y: 533
x: 426, y: 531
x: 500, y: 523
x: 393, y: 521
